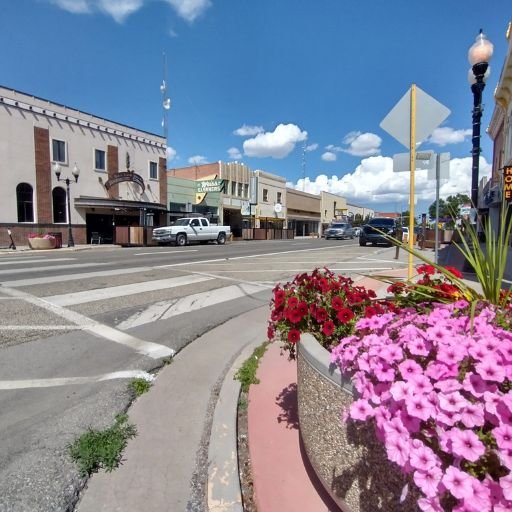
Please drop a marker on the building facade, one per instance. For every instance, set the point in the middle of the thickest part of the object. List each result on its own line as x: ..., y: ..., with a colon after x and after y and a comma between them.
x: 499, y: 187
x: 303, y: 212
x: 122, y: 171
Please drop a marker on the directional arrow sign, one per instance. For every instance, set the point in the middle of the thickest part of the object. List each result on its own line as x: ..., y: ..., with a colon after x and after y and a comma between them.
x: 429, y: 115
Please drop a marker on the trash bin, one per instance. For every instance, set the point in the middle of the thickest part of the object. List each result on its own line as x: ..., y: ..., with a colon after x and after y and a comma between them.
x: 58, y: 239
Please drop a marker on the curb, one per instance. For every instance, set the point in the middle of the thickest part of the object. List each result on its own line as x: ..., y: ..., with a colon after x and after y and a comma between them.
x: 223, y: 488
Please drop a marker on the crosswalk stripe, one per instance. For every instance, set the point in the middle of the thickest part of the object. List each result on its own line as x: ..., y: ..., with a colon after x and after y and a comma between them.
x: 71, y: 299
x: 66, y: 381
x: 17, y: 283
x: 33, y: 260
x: 168, y: 309
x: 53, y: 267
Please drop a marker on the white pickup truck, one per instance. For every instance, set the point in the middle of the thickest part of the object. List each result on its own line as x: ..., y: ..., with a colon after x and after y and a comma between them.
x: 193, y: 229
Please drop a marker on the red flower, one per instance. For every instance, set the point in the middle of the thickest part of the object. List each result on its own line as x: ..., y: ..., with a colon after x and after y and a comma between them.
x: 270, y: 332
x: 321, y: 315
x: 345, y: 315
x: 337, y: 303
x: 293, y: 302
x: 276, y: 315
x: 328, y: 328
x: 294, y: 315
x: 303, y: 308
x: 426, y: 269
x: 456, y: 272
x: 279, y: 297
x: 370, y: 311
x: 293, y: 336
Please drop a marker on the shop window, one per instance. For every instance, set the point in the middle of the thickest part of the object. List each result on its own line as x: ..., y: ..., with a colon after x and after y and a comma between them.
x: 59, y: 205
x: 233, y: 188
x: 246, y: 190
x: 279, y: 195
x: 240, y: 189
x: 25, y: 202
x: 265, y: 195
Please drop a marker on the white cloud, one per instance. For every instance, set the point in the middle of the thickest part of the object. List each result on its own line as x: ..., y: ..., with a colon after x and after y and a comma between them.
x: 189, y: 10
x: 248, y: 131
x: 277, y: 144
x: 312, y: 147
x: 374, y: 182
x: 333, y: 149
x: 234, y: 153
x: 445, y: 135
x: 329, y: 156
x: 362, y: 144
x: 197, y: 160
x: 170, y: 153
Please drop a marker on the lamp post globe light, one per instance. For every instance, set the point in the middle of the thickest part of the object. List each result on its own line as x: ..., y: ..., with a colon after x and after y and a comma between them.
x: 76, y: 173
x: 479, y: 56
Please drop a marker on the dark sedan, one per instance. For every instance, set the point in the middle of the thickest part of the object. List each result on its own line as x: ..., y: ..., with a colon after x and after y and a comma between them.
x: 377, y: 231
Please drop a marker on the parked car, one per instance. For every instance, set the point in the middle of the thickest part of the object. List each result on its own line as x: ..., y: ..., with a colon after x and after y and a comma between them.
x: 339, y: 230
x: 376, y: 229
x: 193, y: 229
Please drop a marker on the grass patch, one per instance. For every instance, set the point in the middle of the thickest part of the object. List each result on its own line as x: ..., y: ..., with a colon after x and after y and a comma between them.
x: 139, y: 386
x: 97, y: 449
x: 246, y: 374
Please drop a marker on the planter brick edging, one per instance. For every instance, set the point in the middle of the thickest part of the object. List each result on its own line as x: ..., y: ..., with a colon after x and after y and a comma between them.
x: 346, y: 457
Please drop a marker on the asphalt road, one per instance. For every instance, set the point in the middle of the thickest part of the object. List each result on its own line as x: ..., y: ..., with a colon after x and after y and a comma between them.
x: 77, y: 326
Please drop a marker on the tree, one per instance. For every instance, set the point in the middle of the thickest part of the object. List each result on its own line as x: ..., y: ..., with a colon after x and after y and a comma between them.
x: 450, y: 207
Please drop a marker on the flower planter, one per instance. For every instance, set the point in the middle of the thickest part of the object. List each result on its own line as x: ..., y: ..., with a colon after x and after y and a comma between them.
x: 347, y: 458
x: 41, y: 243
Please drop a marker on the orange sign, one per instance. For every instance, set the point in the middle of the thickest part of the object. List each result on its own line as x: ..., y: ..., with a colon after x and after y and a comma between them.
x: 507, y: 185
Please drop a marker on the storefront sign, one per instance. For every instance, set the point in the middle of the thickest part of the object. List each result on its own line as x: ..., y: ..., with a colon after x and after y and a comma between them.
x: 125, y: 176
x: 210, y: 186
x: 507, y: 185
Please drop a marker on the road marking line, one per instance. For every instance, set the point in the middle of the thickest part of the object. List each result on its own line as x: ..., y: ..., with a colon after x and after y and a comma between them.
x: 168, y: 309
x: 306, y: 269
x: 72, y: 327
x: 73, y: 277
x: 53, y: 267
x: 177, y: 251
x: 147, y: 348
x: 32, y: 260
x: 66, y: 381
x: 71, y: 299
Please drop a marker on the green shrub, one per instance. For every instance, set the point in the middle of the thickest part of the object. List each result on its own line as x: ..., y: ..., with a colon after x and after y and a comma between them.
x: 139, y: 386
x: 246, y: 374
x: 97, y: 449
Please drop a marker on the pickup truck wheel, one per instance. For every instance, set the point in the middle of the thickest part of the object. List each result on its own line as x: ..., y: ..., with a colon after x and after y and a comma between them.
x: 181, y: 240
x: 362, y: 242
x: 221, y: 239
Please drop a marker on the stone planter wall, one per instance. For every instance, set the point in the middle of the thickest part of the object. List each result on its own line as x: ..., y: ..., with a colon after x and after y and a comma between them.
x: 42, y: 243
x: 347, y: 458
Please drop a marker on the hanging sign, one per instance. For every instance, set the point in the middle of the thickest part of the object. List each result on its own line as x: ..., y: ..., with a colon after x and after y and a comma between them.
x: 210, y: 186
x: 507, y: 185
x: 125, y: 176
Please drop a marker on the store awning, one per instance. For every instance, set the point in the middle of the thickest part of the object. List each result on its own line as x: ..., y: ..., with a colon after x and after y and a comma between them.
x: 109, y: 203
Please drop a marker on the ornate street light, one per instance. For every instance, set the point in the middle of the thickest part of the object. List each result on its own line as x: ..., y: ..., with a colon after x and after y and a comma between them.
x: 479, y: 56
x: 76, y: 173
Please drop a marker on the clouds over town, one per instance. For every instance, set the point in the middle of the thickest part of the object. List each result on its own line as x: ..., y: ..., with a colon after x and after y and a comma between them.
x: 277, y: 144
x: 373, y: 181
x: 119, y: 10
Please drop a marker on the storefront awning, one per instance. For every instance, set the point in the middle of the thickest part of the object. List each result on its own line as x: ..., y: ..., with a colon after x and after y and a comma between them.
x: 100, y: 202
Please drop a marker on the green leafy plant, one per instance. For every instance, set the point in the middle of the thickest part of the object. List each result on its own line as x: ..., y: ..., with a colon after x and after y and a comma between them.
x: 97, y: 449
x: 246, y: 374
x: 139, y: 386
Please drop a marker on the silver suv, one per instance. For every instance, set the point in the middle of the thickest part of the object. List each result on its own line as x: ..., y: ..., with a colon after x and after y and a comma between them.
x: 339, y: 230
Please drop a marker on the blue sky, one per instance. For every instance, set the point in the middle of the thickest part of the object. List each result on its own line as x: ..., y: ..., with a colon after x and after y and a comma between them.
x: 260, y: 81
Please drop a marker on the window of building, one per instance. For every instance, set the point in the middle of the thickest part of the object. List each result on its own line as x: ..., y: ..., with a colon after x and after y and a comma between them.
x: 240, y: 189
x: 246, y: 190
x: 59, y: 151
x: 233, y: 188
x: 25, y: 202
x: 99, y: 160
x: 59, y: 205
x: 153, y: 171
x: 279, y: 195
x: 265, y: 195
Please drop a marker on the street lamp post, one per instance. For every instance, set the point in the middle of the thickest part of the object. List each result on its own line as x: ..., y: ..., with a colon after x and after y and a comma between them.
x: 479, y: 56
x: 76, y: 173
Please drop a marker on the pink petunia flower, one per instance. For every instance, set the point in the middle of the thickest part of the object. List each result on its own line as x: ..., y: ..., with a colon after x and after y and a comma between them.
x: 430, y: 505
x: 506, y: 486
x: 472, y: 415
x: 503, y: 436
x: 422, y: 457
x: 361, y: 410
x: 409, y: 369
x: 428, y: 480
x: 458, y: 483
x: 452, y: 402
x: 490, y: 370
x: 420, y: 408
x: 465, y: 444
x: 397, y: 449
x: 400, y: 390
